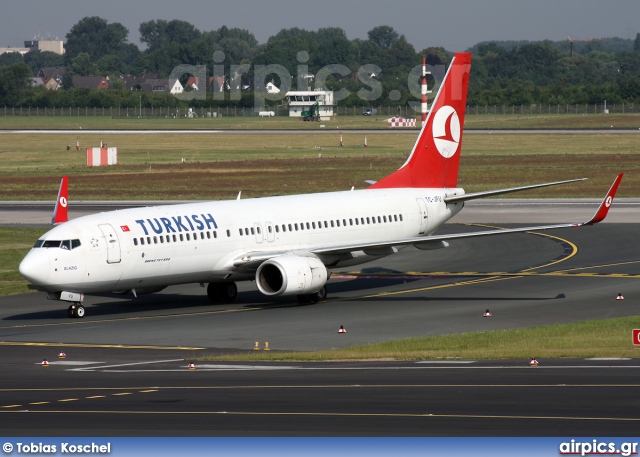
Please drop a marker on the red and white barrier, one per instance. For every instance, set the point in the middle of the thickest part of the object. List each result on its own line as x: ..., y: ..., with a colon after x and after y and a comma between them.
x: 398, y: 121
x: 101, y: 157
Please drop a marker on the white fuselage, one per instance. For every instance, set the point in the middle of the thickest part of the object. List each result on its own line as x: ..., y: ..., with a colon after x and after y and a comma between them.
x: 153, y: 247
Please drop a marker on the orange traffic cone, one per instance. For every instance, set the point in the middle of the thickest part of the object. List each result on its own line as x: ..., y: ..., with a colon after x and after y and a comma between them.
x: 487, y: 313
x: 342, y: 330
x: 45, y: 363
x: 62, y: 355
x: 192, y: 366
x: 533, y: 363
x: 619, y: 297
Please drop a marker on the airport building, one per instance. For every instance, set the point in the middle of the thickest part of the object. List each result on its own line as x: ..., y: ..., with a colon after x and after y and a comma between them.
x: 305, y: 101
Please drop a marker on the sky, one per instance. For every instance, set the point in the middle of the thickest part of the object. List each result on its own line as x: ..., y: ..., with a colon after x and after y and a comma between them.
x: 455, y: 25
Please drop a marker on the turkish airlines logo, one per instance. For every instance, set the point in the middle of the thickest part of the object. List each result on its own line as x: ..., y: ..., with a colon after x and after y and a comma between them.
x: 608, y: 202
x: 63, y: 202
x: 446, y: 131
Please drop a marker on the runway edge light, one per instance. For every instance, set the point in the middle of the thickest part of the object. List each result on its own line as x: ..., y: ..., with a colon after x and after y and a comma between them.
x: 192, y: 366
x: 45, y: 363
x: 533, y: 363
x: 487, y: 313
x: 619, y: 297
x: 342, y: 330
x: 62, y: 355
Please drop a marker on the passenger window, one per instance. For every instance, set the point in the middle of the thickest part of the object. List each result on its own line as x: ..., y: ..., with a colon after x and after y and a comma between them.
x: 373, y: 220
x: 189, y: 237
x: 135, y: 241
x: 277, y: 229
x: 368, y: 221
x: 384, y: 218
x: 331, y: 223
x: 350, y: 221
x: 362, y: 220
x: 308, y: 226
x: 240, y: 232
x: 148, y: 240
x: 215, y: 234
x: 228, y: 233
x: 162, y: 239
x: 155, y: 240
x: 313, y: 224
x: 401, y: 218
x: 246, y: 231
x: 142, y: 241
x: 168, y: 238
x: 290, y: 229
x: 270, y: 229
x: 208, y: 235
x: 181, y: 237
x: 326, y: 225
x: 175, y: 238
x: 296, y: 226
x: 395, y: 217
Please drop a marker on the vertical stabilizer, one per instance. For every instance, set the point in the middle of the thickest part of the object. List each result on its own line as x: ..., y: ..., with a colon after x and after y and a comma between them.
x: 435, y: 157
x: 60, y: 211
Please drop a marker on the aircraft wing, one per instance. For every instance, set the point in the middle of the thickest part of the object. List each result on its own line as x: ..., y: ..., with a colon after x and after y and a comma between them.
x: 488, y: 193
x: 254, y: 259
x: 599, y: 216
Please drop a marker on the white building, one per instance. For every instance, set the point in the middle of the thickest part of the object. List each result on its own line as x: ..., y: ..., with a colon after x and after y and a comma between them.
x: 304, y: 100
x: 55, y: 46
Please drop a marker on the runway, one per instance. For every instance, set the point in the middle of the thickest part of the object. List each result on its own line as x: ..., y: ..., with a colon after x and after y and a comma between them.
x: 126, y: 367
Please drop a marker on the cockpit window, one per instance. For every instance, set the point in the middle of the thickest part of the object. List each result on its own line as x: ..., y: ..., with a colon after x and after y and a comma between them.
x: 64, y: 244
x: 51, y: 244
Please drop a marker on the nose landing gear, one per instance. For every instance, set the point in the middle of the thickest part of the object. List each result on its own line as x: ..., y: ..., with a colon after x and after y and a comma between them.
x: 76, y: 310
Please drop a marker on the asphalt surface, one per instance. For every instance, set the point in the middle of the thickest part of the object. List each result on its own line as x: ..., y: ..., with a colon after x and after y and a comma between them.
x: 126, y: 368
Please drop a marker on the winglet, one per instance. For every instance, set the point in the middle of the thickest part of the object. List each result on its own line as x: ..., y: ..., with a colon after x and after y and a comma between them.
x: 606, y: 203
x: 60, y: 212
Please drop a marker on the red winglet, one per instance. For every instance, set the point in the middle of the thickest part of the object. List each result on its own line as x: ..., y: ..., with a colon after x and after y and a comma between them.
x: 60, y: 212
x: 606, y: 203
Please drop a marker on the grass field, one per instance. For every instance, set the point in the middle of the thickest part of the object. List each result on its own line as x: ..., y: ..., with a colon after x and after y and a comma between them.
x: 599, y: 338
x: 472, y: 121
x: 218, y: 166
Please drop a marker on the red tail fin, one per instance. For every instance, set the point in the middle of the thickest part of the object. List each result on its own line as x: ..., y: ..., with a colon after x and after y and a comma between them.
x: 60, y: 212
x: 435, y: 157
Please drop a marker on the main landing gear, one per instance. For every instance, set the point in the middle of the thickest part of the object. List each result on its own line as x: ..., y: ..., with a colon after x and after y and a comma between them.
x: 222, y: 291
x: 76, y: 310
x: 316, y: 297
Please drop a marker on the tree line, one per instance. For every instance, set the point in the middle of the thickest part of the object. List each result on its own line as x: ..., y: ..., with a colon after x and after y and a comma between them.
x: 503, y: 73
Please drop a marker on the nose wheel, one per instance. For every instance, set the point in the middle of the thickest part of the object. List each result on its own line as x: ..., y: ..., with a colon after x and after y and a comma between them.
x: 76, y: 311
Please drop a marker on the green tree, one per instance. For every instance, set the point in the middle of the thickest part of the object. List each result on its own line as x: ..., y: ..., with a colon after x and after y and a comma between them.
x: 383, y: 36
x: 160, y: 33
x: 10, y: 58
x: 38, y: 60
x: 83, y: 65
x: 94, y: 36
x: 14, y: 83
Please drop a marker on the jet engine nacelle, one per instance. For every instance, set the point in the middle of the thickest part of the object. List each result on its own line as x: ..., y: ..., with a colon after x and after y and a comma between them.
x: 291, y: 275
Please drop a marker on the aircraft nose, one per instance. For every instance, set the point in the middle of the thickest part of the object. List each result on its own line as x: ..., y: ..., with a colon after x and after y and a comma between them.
x: 35, y: 267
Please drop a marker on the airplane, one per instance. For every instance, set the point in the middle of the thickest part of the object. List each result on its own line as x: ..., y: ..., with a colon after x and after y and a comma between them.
x: 287, y: 244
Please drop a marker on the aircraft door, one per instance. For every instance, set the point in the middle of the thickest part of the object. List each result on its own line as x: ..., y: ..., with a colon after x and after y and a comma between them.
x: 113, y: 243
x: 259, y: 235
x: 270, y: 231
x: 423, y: 215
